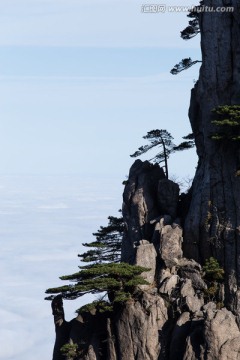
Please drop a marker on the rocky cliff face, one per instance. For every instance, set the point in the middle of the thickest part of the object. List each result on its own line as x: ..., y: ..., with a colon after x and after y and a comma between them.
x: 212, y: 224
x: 179, y: 315
x: 173, y: 317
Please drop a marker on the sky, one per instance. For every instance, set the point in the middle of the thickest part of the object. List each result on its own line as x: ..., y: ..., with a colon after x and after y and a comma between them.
x: 80, y: 83
x: 83, y: 81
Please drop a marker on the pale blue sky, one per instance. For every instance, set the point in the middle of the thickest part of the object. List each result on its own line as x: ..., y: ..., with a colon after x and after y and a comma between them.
x: 83, y: 81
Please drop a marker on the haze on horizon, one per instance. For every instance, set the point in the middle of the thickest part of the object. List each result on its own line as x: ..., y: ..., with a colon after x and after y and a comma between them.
x: 81, y: 83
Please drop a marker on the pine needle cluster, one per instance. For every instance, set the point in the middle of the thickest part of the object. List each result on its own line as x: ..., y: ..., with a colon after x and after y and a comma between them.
x: 184, y: 64
x: 213, y: 274
x: 227, y: 120
x: 164, y: 141
x: 104, y: 271
x: 193, y: 27
x: 212, y: 270
x: 107, y: 246
x: 188, y: 33
x: 110, y: 277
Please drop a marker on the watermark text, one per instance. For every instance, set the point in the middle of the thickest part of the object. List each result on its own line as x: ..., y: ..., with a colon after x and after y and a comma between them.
x: 162, y: 8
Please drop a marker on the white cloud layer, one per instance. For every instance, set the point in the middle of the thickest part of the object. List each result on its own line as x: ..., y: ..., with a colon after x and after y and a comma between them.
x: 37, y: 248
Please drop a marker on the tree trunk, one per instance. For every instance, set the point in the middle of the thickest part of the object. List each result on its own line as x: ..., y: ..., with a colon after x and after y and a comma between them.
x: 213, y: 221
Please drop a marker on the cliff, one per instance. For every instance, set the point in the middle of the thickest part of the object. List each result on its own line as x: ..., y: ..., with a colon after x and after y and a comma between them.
x: 216, y: 186
x: 190, y: 308
x: 174, y: 317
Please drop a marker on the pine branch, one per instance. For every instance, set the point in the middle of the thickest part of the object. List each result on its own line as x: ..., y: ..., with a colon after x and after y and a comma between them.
x: 184, y: 64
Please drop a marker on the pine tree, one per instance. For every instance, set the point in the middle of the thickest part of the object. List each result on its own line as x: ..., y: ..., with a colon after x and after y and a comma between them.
x: 107, y: 246
x: 227, y: 120
x: 212, y: 270
x: 193, y: 28
x: 213, y: 274
x: 104, y: 273
x: 160, y: 138
x: 163, y: 139
x: 185, y: 145
x: 188, y: 33
x: 184, y: 64
x: 118, y: 280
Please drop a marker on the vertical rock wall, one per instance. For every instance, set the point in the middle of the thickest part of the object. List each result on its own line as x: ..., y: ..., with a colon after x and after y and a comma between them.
x: 213, y: 222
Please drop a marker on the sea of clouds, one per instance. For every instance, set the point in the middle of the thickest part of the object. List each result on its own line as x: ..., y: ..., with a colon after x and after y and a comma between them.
x: 43, y: 222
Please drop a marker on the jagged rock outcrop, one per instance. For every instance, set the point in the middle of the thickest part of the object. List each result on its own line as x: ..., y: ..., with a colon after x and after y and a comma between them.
x: 169, y: 319
x: 146, y: 256
x: 62, y: 327
x: 170, y: 244
x: 139, y: 205
x: 190, y: 269
x: 168, y: 284
x: 221, y: 334
x: 137, y: 328
x: 213, y: 221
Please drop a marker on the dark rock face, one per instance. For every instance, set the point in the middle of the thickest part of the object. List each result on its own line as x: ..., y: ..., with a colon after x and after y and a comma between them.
x: 187, y: 338
x: 89, y: 330
x: 212, y: 224
x: 168, y: 197
x: 140, y: 205
x: 62, y: 327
